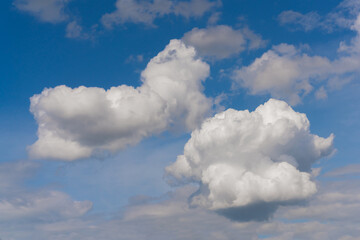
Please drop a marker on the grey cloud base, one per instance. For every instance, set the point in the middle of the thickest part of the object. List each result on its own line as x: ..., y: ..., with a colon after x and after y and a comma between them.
x: 82, y: 122
x: 245, y: 160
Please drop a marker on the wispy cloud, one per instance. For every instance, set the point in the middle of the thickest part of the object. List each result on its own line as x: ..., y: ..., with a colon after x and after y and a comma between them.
x: 145, y: 12
x: 52, y: 11
x: 341, y: 17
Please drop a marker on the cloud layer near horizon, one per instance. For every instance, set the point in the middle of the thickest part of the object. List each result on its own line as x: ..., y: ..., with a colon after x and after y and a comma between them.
x: 243, y: 158
x: 78, y: 123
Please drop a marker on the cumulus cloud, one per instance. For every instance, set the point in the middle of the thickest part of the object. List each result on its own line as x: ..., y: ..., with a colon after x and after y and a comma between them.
x: 222, y: 41
x: 78, y: 123
x: 284, y: 72
x: 145, y: 12
x: 288, y: 73
x: 255, y: 160
x: 51, y: 11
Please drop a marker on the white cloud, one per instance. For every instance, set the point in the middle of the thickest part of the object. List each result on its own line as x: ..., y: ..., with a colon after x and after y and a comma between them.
x: 222, y: 41
x: 321, y: 93
x: 42, y: 205
x: 172, y: 218
x: 244, y: 159
x: 145, y: 12
x: 306, y: 22
x: 75, y: 31
x: 352, y: 169
x: 18, y: 204
x: 12, y: 174
x: 77, y: 123
x: 51, y: 11
x: 287, y: 73
x: 284, y: 72
x: 341, y: 17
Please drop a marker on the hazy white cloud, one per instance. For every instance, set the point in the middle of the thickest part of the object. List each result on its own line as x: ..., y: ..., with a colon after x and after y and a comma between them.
x: 145, y: 12
x: 170, y: 217
x: 254, y: 159
x: 75, y: 30
x: 341, y: 17
x: 214, y: 18
x: 81, y: 122
x: 12, y: 174
x: 42, y: 205
x: 288, y: 73
x: 18, y: 204
x: 306, y: 22
x: 321, y: 93
x: 51, y: 11
x: 135, y: 58
x: 352, y: 169
x: 222, y: 41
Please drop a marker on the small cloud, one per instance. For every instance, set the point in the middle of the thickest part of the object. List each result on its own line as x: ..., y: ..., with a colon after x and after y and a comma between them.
x: 51, y: 11
x: 135, y: 58
x: 340, y: 17
x: 352, y: 169
x: 222, y: 41
x: 145, y: 12
x: 214, y: 18
x: 321, y: 93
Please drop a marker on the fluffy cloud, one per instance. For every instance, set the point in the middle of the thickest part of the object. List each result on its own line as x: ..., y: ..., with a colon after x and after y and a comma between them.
x: 244, y: 159
x: 222, y: 41
x: 147, y: 11
x: 77, y: 123
x: 287, y: 73
x: 284, y: 72
x: 51, y: 11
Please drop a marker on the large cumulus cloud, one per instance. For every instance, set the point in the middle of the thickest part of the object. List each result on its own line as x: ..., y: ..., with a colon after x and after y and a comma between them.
x: 77, y: 123
x: 251, y: 160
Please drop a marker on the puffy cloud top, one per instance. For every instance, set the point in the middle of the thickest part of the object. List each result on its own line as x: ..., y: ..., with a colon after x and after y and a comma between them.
x: 76, y: 123
x: 243, y: 158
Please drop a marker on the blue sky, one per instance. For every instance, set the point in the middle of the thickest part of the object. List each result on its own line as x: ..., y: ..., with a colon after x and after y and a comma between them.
x: 179, y: 119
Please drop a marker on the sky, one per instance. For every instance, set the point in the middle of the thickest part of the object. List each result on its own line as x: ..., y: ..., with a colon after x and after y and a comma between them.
x: 179, y: 119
